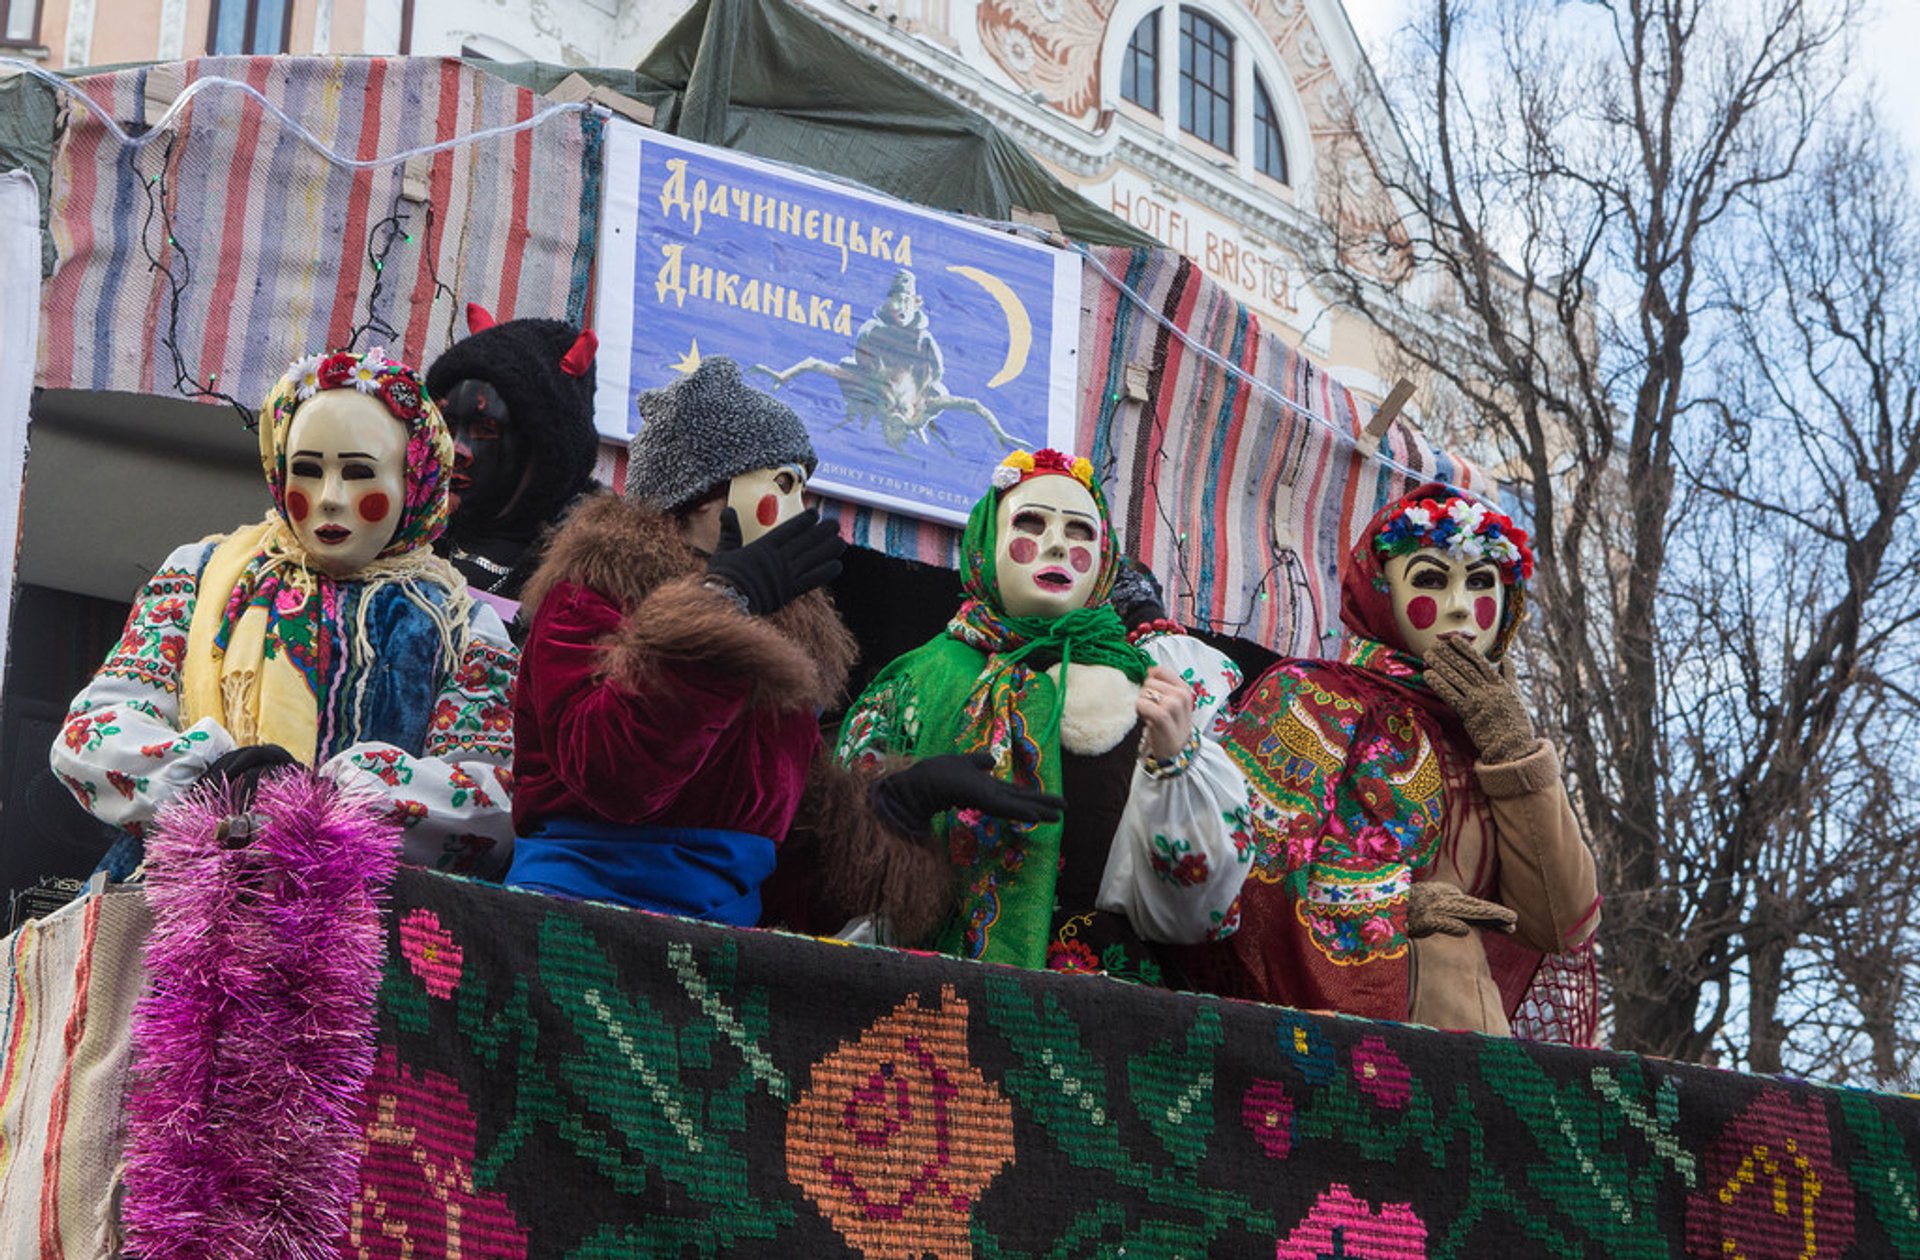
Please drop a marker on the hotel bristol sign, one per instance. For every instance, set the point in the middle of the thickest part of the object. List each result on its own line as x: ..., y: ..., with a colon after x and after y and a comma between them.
x: 1262, y: 276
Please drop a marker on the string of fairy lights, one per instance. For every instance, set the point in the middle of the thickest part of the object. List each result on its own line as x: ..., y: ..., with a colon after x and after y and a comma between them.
x: 174, y: 264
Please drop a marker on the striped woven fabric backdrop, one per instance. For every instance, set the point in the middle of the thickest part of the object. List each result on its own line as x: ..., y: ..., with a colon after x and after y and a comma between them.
x: 239, y: 246
x: 1240, y: 503
x: 270, y: 244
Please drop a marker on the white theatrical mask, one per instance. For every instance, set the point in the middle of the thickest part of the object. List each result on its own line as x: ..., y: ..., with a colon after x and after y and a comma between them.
x: 1048, y: 554
x: 1436, y: 595
x: 765, y: 497
x: 346, y: 479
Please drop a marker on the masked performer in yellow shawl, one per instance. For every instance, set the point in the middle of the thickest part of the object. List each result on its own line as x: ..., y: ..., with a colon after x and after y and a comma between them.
x: 327, y: 634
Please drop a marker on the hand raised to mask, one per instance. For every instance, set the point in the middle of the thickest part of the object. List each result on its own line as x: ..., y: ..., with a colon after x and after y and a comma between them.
x: 779, y: 566
x: 1165, y: 704
x: 1137, y: 596
x: 910, y: 798
x: 1485, y: 696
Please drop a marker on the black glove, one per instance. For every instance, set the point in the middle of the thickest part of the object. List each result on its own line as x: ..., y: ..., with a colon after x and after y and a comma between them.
x: 1137, y: 597
x: 243, y: 767
x: 779, y: 566
x: 909, y: 798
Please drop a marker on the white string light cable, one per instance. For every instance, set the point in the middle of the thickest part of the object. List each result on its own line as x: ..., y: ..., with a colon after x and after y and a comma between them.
x: 193, y: 89
x: 166, y: 120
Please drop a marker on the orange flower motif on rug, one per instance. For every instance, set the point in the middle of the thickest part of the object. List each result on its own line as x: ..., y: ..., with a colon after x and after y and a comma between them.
x: 898, y: 1134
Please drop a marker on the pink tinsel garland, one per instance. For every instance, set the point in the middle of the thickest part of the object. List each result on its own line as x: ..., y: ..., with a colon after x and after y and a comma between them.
x: 257, y: 1039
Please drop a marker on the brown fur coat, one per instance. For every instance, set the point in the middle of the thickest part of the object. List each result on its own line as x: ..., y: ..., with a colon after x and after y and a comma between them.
x: 839, y: 860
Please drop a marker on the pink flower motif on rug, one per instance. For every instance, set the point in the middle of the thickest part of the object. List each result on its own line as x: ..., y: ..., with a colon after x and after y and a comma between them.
x: 1342, y: 1225
x: 1771, y: 1189
x: 417, y: 1195
x: 1380, y: 1075
x: 1268, y: 1115
x: 432, y: 954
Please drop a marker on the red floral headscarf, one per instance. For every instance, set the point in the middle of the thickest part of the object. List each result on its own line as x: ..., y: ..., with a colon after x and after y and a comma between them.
x: 1366, y: 602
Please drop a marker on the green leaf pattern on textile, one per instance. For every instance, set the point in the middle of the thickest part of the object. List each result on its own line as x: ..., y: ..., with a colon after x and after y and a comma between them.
x: 672, y: 1126
x: 1549, y: 1161
x: 1584, y: 1137
x: 1064, y: 1087
x: 1884, y: 1173
x: 1173, y: 1088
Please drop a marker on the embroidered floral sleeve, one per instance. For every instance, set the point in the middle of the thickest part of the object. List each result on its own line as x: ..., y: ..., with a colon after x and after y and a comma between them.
x: 454, y: 796
x: 1181, y: 852
x: 122, y: 751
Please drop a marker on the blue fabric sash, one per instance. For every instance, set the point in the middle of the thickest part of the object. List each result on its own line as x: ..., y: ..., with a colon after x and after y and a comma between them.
x: 405, y: 679
x: 697, y: 872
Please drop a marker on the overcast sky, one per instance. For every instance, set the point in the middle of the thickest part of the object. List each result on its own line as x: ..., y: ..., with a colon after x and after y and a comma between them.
x: 1888, y: 50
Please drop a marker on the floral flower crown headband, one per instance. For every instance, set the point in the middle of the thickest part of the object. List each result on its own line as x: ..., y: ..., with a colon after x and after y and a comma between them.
x: 1022, y: 465
x: 395, y: 384
x: 1465, y: 529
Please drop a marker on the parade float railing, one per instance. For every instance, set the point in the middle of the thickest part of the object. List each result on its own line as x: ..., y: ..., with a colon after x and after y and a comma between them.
x: 569, y: 1080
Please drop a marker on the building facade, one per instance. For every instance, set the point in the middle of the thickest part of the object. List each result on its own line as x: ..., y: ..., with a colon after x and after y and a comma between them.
x: 65, y: 34
x: 1243, y: 133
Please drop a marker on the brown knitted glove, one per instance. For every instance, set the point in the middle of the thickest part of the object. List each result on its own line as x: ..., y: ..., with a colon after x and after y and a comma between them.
x: 1486, y: 698
x: 1433, y: 905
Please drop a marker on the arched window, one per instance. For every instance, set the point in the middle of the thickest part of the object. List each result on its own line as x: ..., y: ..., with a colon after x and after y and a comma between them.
x: 1206, y: 79
x: 1269, y: 155
x: 1222, y: 77
x: 1140, y: 70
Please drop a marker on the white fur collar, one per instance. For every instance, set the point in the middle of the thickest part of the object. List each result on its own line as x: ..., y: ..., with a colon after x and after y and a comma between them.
x: 1099, y: 709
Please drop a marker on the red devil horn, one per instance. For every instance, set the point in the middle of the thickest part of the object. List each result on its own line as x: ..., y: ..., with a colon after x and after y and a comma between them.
x: 477, y: 318
x: 578, y: 360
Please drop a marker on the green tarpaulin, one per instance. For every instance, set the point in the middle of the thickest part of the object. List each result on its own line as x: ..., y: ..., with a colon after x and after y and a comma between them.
x: 766, y: 78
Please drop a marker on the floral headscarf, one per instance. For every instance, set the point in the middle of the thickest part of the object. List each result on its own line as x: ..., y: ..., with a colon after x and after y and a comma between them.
x: 399, y: 387
x: 1447, y: 518
x: 979, y: 544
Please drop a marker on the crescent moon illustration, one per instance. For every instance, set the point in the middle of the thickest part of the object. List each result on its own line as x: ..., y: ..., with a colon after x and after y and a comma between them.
x: 1019, y: 324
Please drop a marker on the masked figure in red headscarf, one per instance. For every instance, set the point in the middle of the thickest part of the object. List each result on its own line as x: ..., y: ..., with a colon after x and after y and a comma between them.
x: 1415, y: 851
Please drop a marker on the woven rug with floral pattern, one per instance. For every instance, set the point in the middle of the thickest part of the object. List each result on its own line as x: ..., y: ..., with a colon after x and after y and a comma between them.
x: 571, y: 1081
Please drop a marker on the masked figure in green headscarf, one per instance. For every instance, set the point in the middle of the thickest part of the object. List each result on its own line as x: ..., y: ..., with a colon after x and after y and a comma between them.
x: 1037, y: 678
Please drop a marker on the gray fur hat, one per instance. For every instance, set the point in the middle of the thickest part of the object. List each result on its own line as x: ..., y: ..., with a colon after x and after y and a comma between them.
x: 707, y: 428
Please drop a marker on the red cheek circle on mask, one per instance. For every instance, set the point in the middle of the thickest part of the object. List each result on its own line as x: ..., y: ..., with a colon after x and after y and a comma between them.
x: 1081, y: 559
x: 1486, y: 611
x: 297, y: 505
x: 768, y: 509
x: 1023, y: 550
x: 373, y: 508
x: 1422, y: 612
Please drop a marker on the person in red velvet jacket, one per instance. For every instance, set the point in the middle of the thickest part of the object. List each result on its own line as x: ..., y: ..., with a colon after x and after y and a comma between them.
x: 680, y: 653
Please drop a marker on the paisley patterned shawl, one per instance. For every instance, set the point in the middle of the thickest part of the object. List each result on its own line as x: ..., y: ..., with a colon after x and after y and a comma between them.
x: 1352, y: 775
x: 1362, y: 776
